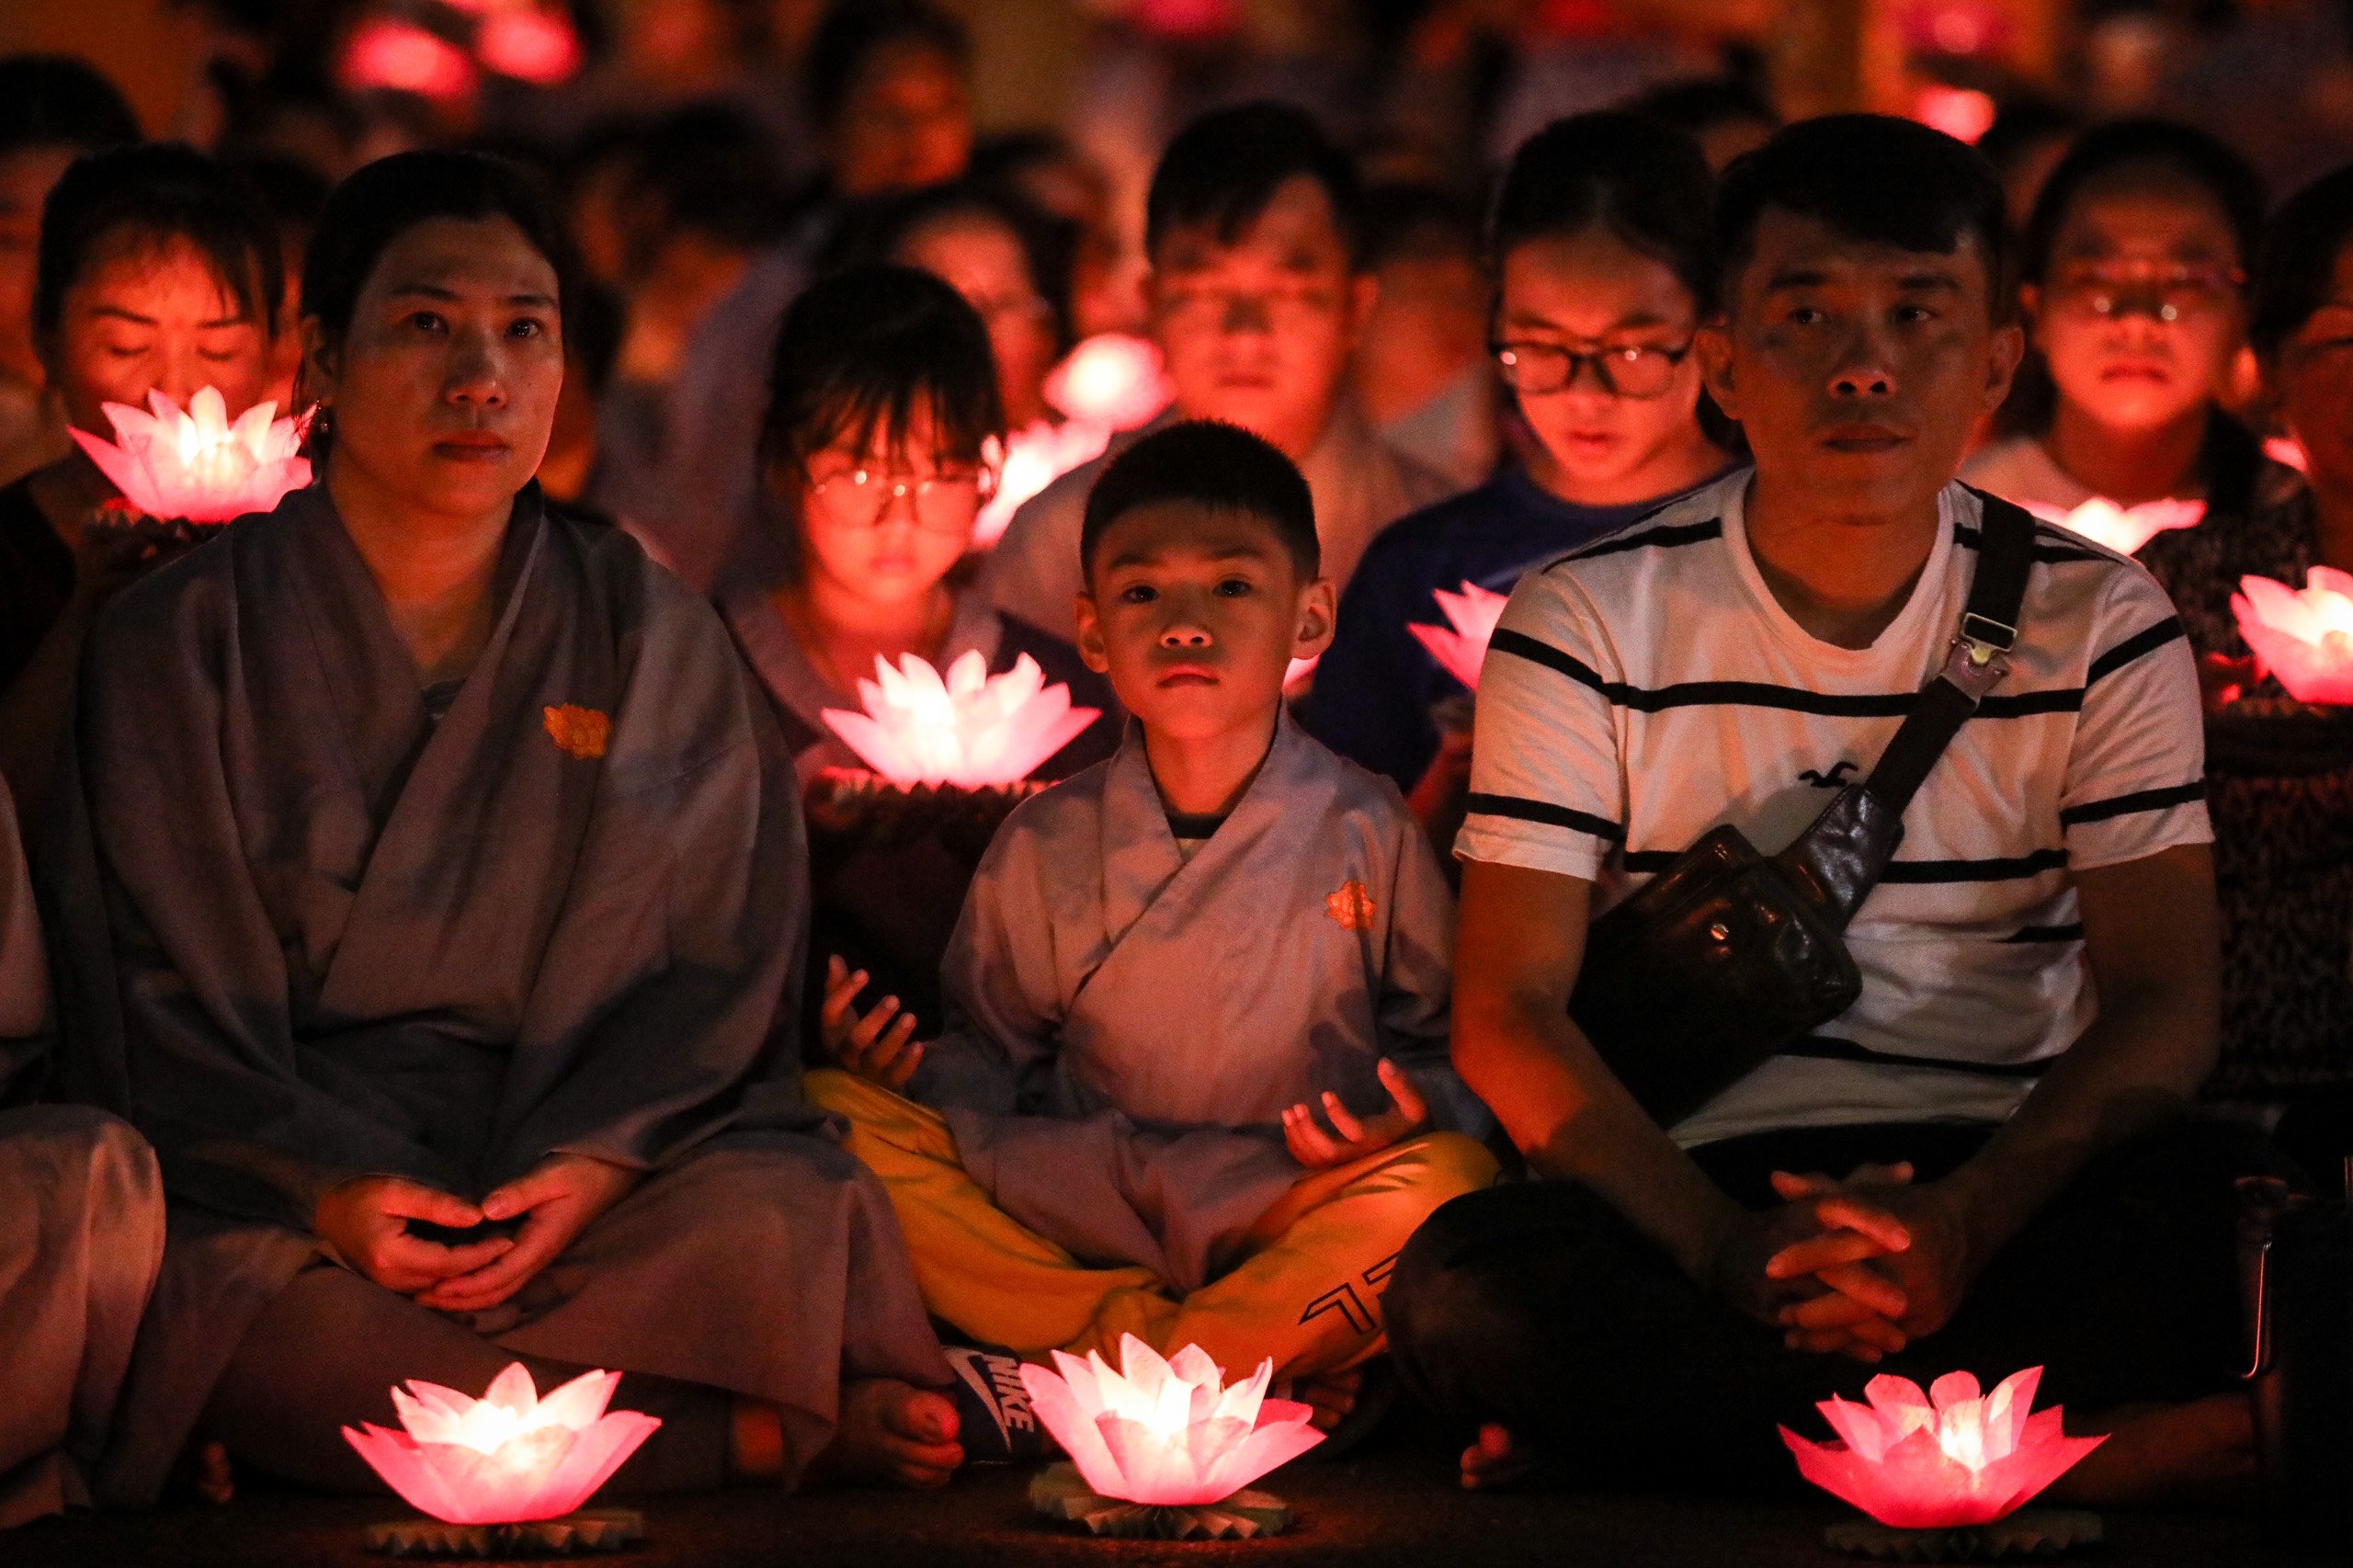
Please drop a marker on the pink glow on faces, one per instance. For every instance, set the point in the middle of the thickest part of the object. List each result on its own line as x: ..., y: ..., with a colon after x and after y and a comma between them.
x: 1948, y: 1458
x: 1167, y: 1432
x: 507, y: 1458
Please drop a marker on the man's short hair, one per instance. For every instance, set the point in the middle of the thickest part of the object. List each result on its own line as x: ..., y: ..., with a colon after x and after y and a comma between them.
x: 54, y: 100
x: 1223, y: 171
x: 1871, y: 178
x: 1208, y: 464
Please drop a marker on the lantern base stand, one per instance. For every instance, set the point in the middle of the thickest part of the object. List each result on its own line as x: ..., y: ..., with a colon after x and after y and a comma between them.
x: 575, y: 1535
x: 2037, y: 1532
x: 1061, y: 1493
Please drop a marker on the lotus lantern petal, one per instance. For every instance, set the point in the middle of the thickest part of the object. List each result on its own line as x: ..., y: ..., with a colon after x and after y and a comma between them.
x: 1949, y: 1457
x: 1166, y: 1433
x: 1032, y: 459
x: 196, y: 464
x: 1112, y: 379
x: 2304, y: 638
x: 1460, y: 645
x: 2123, y: 529
x: 510, y: 1457
x: 970, y: 728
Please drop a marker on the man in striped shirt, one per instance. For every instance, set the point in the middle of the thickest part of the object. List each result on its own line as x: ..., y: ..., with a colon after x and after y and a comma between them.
x: 1982, y: 1163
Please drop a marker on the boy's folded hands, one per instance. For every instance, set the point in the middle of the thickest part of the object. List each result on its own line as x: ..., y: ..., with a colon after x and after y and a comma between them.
x: 1352, y: 1138
x: 880, y: 1046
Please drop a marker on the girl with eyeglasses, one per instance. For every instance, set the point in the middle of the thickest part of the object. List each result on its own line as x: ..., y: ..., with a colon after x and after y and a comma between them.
x: 1604, y: 265
x: 883, y: 407
x: 2133, y: 282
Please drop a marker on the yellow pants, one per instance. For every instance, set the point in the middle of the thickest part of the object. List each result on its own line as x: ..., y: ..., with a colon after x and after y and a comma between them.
x: 1307, y: 1291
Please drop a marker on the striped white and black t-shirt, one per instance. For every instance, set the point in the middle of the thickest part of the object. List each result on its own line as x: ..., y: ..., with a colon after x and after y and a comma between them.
x: 1648, y: 686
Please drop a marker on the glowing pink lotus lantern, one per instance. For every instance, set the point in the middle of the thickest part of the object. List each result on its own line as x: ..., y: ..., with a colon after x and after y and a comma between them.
x: 1167, y: 1439
x: 2124, y: 529
x: 2286, y: 451
x: 1034, y: 458
x: 2305, y: 638
x: 971, y: 729
x: 1461, y: 646
x: 196, y: 465
x: 1949, y: 1457
x: 1112, y: 379
x: 507, y: 1458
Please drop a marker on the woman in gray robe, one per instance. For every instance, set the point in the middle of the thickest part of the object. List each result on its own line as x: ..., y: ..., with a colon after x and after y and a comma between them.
x: 450, y: 889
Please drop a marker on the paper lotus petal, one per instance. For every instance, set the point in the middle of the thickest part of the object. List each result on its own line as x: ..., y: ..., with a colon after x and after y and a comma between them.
x: 508, y: 1458
x: 1461, y: 646
x: 1111, y: 380
x: 972, y: 729
x: 1034, y: 458
x: 2124, y: 528
x: 196, y: 464
x: 1166, y: 1433
x: 2304, y: 638
x: 2286, y: 451
x: 1944, y: 1459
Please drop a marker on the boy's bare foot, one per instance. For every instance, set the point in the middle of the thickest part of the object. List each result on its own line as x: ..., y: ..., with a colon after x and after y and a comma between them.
x: 1493, y: 1462
x: 891, y: 1432
x: 2198, y: 1452
x: 1332, y: 1395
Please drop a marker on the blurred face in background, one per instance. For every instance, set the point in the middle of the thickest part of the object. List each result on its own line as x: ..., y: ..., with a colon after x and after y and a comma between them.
x: 2311, y: 384
x: 1258, y: 332
x: 906, y: 123
x: 883, y: 521
x: 1614, y: 422
x: 984, y: 260
x: 147, y: 314
x: 2140, y: 312
x: 25, y: 176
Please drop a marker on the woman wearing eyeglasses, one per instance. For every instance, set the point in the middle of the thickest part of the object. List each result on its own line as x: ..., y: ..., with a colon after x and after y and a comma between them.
x: 882, y: 401
x: 2132, y: 282
x: 1605, y: 266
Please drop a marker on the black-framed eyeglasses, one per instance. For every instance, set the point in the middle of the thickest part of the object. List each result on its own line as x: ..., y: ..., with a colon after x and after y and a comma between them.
x: 1635, y: 370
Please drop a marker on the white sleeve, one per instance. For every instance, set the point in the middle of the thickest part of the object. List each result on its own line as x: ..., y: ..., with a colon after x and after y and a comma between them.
x: 2136, y: 776
x: 1548, y: 787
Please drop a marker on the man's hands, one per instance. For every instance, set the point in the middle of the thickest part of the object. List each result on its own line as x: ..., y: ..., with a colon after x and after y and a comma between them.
x: 365, y: 1222
x: 555, y: 1202
x: 872, y: 1047
x: 1311, y: 1146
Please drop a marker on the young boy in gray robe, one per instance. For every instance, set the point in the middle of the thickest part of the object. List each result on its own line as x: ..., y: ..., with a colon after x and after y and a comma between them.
x: 81, y: 1237
x: 1193, y: 1085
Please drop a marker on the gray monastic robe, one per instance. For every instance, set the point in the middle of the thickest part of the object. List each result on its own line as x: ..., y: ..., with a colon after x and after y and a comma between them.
x: 1126, y: 1027
x: 341, y: 937
x: 81, y: 1237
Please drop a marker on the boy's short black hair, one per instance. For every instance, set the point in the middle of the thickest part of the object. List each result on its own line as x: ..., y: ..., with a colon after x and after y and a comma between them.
x: 1224, y: 168
x: 2296, y: 264
x: 1871, y: 178
x: 1211, y: 464
x: 858, y: 352
x: 55, y: 100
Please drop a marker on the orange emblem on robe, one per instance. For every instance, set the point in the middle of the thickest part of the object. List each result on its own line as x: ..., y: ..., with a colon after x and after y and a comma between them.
x: 579, y: 732
x: 1351, y: 908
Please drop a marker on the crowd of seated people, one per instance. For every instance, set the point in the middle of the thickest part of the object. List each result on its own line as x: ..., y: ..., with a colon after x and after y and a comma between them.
x: 425, y: 946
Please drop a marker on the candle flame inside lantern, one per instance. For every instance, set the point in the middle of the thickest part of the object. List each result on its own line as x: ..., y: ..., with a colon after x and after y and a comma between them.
x: 507, y: 1458
x: 1461, y: 646
x: 1166, y: 1433
x: 2304, y: 638
x: 2123, y: 529
x: 972, y: 729
x: 1949, y: 1457
x: 196, y: 464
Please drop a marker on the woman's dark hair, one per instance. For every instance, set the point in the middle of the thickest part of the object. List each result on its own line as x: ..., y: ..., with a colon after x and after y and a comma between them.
x: 2296, y: 261
x: 860, y: 351
x: 376, y: 205
x: 54, y: 100
x: 854, y: 31
x: 1048, y: 244
x: 1643, y: 181
x: 147, y: 197
x: 2163, y: 147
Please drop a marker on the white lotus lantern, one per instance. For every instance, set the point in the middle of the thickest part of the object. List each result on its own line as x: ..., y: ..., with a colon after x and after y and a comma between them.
x: 969, y: 728
x: 2123, y: 529
x: 2304, y: 638
x: 196, y: 465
